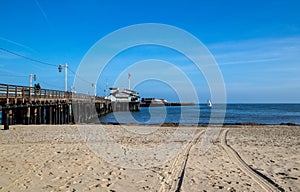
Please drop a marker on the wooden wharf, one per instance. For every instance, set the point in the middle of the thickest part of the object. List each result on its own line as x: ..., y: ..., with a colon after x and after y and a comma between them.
x: 29, y: 105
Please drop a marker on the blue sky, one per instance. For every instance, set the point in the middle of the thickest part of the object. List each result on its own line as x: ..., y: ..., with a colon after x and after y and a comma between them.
x: 255, y: 43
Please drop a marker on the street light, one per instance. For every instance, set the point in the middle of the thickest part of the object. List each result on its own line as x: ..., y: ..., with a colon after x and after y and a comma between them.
x: 95, y: 88
x: 66, y: 74
x: 30, y: 79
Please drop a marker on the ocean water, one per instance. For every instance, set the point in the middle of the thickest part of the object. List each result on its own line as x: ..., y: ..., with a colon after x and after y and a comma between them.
x: 202, y: 114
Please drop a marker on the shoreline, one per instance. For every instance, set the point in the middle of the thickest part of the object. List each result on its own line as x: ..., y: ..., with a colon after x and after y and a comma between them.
x: 172, y: 124
x: 166, y: 124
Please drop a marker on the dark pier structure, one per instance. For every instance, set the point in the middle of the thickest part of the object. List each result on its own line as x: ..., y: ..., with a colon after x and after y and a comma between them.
x: 153, y: 102
x: 31, y: 105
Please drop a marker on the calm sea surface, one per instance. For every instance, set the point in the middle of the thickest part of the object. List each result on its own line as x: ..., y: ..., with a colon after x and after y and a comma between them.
x: 202, y: 114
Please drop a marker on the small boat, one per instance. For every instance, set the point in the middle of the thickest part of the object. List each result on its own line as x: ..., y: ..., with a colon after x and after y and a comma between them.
x: 209, y: 104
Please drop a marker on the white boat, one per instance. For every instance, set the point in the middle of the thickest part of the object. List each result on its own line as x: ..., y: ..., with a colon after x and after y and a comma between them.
x: 209, y: 104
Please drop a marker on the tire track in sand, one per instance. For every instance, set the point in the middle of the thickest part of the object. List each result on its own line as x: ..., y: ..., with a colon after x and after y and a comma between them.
x: 235, y: 157
x: 174, y: 180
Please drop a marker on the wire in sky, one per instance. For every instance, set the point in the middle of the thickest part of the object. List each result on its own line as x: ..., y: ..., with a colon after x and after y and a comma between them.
x: 11, y: 73
x: 88, y: 82
x: 79, y: 77
x: 16, y: 43
x: 45, y: 63
x: 13, y: 76
x: 28, y: 58
x: 49, y: 84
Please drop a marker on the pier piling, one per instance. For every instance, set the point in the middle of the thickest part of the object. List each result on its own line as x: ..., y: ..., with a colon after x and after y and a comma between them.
x: 21, y: 105
x: 5, y: 117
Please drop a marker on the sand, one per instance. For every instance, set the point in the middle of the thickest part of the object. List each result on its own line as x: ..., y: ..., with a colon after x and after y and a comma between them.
x: 147, y: 158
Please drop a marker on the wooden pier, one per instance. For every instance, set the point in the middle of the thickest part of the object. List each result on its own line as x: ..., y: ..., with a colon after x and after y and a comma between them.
x: 28, y: 105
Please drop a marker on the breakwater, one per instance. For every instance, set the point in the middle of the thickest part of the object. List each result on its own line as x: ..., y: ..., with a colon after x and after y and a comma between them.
x: 153, y: 104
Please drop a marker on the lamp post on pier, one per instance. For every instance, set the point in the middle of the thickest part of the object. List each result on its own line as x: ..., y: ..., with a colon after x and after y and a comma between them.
x: 94, y: 85
x: 66, y: 74
x: 30, y: 79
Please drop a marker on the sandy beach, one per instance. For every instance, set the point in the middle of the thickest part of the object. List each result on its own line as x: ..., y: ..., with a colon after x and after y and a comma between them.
x: 78, y: 158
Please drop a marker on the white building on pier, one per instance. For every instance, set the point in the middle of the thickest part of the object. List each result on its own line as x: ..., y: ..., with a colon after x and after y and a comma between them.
x: 125, y: 100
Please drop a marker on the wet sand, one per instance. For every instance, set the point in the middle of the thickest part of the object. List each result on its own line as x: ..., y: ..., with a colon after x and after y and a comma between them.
x: 62, y: 158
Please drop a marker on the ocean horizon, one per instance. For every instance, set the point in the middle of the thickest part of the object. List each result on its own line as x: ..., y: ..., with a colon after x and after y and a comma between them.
x: 201, y: 114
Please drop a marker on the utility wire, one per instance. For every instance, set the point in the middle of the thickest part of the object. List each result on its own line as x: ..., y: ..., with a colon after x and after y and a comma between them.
x: 79, y: 76
x: 49, y: 84
x: 91, y: 83
x: 13, y: 76
x: 28, y: 58
x: 45, y: 63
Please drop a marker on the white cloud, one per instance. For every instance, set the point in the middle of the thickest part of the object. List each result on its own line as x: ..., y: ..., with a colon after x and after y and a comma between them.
x: 257, y: 51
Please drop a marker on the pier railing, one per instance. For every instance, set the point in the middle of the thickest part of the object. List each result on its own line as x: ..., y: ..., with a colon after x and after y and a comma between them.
x: 15, y: 92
